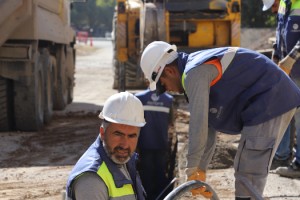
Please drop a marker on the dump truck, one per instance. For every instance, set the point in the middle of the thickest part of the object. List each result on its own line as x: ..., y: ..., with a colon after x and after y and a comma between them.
x: 37, y: 62
x: 189, y: 24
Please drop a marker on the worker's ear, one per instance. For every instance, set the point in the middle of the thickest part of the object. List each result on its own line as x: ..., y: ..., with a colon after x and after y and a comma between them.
x: 169, y: 70
x: 102, y: 132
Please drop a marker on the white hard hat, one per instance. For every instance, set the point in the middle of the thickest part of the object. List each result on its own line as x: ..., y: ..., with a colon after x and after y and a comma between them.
x: 267, y: 4
x: 154, y: 59
x: 123, y: 108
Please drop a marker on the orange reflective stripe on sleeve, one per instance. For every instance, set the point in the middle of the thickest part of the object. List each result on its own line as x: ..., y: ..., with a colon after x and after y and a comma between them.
x: 217, y: 64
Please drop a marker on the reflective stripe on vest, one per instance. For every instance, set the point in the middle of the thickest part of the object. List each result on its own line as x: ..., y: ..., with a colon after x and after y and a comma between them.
x: 295, y: 8
x: 113, y: 191
x: 221, y: 65
x: 295, y: 4
x: 282, y: 7
x: 156, y: 108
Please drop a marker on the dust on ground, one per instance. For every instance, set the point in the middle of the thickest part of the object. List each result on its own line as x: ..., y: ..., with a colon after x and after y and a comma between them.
x: 35, y: 165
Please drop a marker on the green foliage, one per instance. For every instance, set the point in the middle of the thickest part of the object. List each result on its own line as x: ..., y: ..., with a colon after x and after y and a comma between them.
x: 94, y: 16
x: 253, y: 16
x: 105, y: 3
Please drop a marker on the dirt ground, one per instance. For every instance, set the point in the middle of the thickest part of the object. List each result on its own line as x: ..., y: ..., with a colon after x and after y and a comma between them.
x: 35, y: 165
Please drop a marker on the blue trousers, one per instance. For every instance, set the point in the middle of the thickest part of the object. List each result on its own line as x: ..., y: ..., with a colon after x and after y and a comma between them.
x: 153, y: 165
x: 284, y: 151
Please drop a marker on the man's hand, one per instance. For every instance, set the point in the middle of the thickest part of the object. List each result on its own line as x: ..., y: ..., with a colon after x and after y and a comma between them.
x: 199, y: 175
x: 275, y: 58
x: 286, y: 64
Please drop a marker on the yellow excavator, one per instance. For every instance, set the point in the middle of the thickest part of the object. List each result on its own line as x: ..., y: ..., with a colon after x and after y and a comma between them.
x: 190, y: 24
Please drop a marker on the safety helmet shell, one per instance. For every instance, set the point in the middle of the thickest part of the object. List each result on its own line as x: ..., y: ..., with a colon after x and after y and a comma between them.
x: 123, y: 108
x: 267, y: 4
x: 154, y: 59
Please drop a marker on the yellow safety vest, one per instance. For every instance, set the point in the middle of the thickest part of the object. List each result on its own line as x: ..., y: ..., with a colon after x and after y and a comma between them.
x: 113, y: 191
x: 295, y: 7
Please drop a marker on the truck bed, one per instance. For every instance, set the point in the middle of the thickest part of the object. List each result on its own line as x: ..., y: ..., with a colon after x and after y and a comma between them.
x: 35, y: 20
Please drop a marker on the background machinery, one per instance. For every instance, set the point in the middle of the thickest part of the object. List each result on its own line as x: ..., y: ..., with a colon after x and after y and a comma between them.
x: 190, y: 24
x: 37, y: 61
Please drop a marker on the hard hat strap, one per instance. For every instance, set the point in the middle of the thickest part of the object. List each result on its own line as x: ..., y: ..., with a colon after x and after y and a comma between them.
x: 159, y: 67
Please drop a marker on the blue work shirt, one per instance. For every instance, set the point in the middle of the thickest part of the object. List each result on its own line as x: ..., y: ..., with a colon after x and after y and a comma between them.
x: 154, y: 135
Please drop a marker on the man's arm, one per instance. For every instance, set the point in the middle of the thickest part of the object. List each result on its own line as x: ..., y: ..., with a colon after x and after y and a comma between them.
x: 292, y: 42
x: 197, y: 87
x: 89, y: 186
x: 287, y: 63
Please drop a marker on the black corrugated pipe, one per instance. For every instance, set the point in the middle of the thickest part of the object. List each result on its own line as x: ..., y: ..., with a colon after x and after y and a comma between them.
x: 187, y: 186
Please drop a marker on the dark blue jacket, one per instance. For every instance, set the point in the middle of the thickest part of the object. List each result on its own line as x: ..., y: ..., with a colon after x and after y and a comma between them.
x: 154, y: 135
x: 91, y: 160
x: 252, y: 90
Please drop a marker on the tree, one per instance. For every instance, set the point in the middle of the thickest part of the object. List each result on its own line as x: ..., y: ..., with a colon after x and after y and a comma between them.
x: 94, y: 16
x: 253, y: 16
x: 105, y: 3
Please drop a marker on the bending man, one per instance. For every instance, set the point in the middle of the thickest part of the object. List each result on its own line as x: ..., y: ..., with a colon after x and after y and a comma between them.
x: 232, y: 90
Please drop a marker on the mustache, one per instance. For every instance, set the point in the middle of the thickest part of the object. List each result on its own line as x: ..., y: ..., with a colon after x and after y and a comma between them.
x: 118, y: 148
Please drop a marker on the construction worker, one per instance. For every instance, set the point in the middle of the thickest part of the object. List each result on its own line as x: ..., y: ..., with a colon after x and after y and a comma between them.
x: 284, y: 151
x: 286, y: 54
x: 107, y: 169
x: 154, y: 142
x: 232, y: 90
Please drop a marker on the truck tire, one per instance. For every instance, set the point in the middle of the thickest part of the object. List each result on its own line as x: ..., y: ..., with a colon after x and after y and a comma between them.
x: 48, y: 85
x: 133, y: 75
x: 61, y: 89
x: 6, y: 112
x: 29, y: 99
x: 122, y: 77
x: 116, y: 73
x: 115, y: 60
x: 70, y: 90
x: 71, y: 71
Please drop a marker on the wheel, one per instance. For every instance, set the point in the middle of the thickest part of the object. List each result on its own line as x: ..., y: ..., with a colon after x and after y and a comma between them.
x: 131, y: 74
x: 134, y: 76
x: 61, y: 90
x: 116, y: 74
x: 122, y: 77
x: 71, y: 71
x: 115, y: 60
x: 70, y: 90
x: 29, y: 99
x: 48, y: 85
x: 6, y: 109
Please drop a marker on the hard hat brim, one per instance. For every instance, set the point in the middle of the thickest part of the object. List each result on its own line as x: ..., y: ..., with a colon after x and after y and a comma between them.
x: 141, y: 124
x: 267, y: 4
x: 265, y: 8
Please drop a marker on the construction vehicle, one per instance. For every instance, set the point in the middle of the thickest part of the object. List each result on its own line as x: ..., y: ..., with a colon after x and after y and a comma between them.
x: 189, y: 24
x: 37, y: 62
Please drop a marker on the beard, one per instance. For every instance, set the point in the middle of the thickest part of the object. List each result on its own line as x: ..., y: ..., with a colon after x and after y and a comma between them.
x: 118, y: 155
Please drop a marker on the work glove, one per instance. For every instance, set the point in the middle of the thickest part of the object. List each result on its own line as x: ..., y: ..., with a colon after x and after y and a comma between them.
x: 286, y: 64
x: 198, y: 175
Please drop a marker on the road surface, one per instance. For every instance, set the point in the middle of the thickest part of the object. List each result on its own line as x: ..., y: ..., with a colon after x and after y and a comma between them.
x: 35, y: 165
